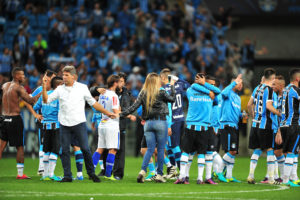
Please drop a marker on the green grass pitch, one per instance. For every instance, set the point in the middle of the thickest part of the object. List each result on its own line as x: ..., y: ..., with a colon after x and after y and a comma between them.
x: 10, y: 188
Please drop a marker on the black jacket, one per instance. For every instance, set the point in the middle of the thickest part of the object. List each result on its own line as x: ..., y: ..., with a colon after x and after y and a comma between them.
x: 159, y: 108
x: 126, y: 100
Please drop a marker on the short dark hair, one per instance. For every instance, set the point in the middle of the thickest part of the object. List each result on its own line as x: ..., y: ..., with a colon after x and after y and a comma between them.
x: 112, y: 79
x: 210, y: 77
x: 55, y: 81
x: 49, y: 73
x: 122, y: 75
x: 15, y: 70
x: 268, y: 72
x: 279, y: 77
x: 293, y: 72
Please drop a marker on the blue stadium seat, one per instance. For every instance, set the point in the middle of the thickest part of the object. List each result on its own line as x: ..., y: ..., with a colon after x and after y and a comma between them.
x: 80, y: 42
x: 32, y: 21
x: 43, y: 21
x: 12, y: 31
x: 31, y: 40
x: 12, y: 24
x: 2, y: 46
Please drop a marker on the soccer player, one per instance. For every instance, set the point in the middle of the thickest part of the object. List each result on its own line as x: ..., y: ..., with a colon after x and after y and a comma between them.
x: 96, y: 119
x: 262, y: 137
x: 108, y: 130
x: 50, y: 130
x: 278, y: 86
x: 290, y: 132
x: 253, y: 131
x: 200, y: 96
x: 230, y: 115
x: 49, y: 74
x: 177, y: 125
x: 12, y: 128
x: 212, y: 155
x: 212, y: 158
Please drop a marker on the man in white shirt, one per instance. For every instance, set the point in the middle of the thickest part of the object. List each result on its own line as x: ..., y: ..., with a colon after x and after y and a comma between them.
x: 108, y: 129
x: 72, y: 97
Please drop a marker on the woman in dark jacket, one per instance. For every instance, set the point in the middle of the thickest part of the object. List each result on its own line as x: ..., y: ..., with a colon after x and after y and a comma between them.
x: 155, y: 109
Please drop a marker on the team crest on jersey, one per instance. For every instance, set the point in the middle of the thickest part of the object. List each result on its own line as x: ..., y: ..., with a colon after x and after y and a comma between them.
x: 233, y: 145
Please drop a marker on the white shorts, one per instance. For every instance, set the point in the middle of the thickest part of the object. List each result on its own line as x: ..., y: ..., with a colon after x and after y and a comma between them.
x: 109, y: 137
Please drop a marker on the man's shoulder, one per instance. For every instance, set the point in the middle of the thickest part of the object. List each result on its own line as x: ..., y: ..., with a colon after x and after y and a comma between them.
x: 80, y: 85
x: 5, y: 85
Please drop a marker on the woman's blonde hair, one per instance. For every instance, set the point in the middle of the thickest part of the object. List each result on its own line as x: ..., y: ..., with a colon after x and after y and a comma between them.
x: 151, y: 89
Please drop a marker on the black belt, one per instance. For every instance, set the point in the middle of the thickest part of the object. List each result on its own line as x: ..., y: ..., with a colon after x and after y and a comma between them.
x: 162, y: 117
x: 50, y: 126
x: 197, y: 128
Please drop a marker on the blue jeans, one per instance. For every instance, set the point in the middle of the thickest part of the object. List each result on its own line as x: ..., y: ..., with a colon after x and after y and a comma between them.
x: 156, y: 132
x: 80, y: 133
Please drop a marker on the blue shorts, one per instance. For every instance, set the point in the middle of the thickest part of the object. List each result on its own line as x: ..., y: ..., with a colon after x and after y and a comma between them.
x: 177, y: 132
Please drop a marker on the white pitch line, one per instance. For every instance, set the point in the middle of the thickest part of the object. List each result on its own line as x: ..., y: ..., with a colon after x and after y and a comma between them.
x: 145, y: 196
x: 163, y: 194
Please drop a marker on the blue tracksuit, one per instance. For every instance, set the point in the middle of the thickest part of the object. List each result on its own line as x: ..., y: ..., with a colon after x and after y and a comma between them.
x: 216, y: 112
x: 49, y: 111
x: 200, y: 104
x: 231, y: 107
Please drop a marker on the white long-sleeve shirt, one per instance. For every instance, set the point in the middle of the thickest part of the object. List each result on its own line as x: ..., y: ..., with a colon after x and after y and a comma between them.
x: 72, y: 103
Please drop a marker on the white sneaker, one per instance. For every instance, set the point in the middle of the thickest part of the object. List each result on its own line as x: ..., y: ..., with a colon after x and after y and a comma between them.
x: 40, y: 172
x: 172, y: 173
x: 141, y: 177
x: 159, y: 179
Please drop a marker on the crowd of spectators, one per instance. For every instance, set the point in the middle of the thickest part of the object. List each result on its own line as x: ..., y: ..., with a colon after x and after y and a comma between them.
x: 136, y: 37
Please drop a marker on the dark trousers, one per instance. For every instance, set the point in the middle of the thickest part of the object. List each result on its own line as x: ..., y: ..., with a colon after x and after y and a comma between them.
x: 139, y: 133
x: 80, y: 133
x: 120, y: 157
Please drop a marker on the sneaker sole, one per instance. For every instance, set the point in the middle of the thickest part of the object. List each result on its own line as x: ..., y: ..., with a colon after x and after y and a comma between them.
x: 140, y: 178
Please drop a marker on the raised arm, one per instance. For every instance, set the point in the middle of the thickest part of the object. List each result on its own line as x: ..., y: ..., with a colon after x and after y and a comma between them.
x: 212, y: 88
x: 200, y: 88
x: 228, y: 89
x: 44, y: 91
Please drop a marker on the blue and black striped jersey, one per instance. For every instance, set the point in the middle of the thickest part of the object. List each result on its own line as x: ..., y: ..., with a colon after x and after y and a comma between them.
x: 290, y: 106
x: 262, y: 118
